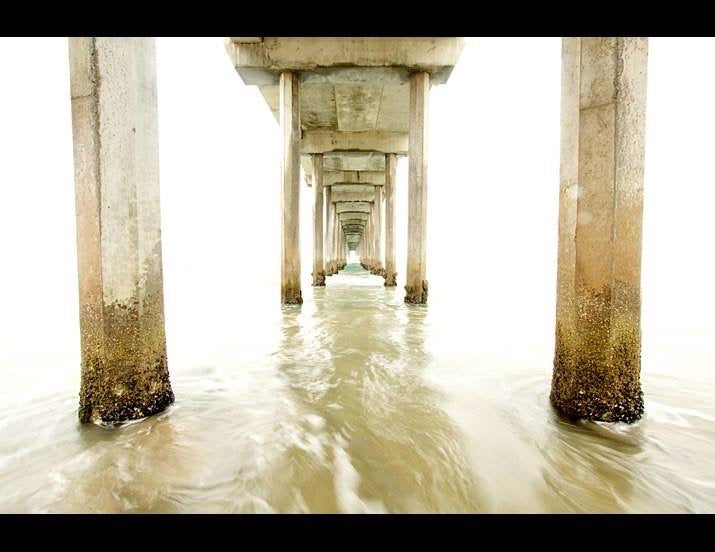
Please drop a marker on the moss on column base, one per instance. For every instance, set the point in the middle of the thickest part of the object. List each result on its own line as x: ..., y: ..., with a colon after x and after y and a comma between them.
x: 291, y: 295
x: 119, y: 393
x: 598, y: 381
x: 591, y: 406
x: 415, y: 295
x: 319, y: 279
x: 390, y: 279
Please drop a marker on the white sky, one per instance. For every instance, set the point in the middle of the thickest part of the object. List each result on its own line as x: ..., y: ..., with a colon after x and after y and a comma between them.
x: 493, y: 190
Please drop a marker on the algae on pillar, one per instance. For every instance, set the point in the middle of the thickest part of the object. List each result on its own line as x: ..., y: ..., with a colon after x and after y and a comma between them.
x: 390, y: 260
x: 416, y: 286
x: 289, y: 89
x: 125, y: 374
x: 603, y: 105
x: 318, y: 263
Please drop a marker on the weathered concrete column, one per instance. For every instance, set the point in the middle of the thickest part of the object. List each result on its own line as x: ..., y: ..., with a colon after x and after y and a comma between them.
x: 318, y: 262
x: 373, y: 237
x: 417, y: 223
x: 329, y: 224
x: 334, y: 249
x: 341, y: 248
x: 377, y: 206
x: 289, y: 90
x: 341, y: 254
x: 390, y: 257
x: 368, y: 243
x: 116, y: 159
x: 344, y: 256
x: 603, y: 106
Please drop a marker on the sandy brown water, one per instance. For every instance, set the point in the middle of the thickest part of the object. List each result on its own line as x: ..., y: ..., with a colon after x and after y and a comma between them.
x: 356, y: 402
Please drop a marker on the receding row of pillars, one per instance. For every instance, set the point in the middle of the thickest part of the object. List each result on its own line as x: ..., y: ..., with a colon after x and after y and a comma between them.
x: 330, y: 249
x: 114, y: 121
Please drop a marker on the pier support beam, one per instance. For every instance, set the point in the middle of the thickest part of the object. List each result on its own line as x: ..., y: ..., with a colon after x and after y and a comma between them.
x: 116, y: 160
x: 416, y: 286
x: 390, y: 259
x: 289, y: 90
x: 597, y: 359
x: 318, y: 261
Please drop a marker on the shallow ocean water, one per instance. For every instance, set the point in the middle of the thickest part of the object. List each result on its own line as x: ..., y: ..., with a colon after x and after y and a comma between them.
x: 356, y: 402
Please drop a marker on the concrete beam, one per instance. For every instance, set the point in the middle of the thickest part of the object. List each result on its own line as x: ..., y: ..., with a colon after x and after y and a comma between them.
x: 353, y: 207
x: 331, y: 178
x: 353, y: 189
x: 245, y: 39
x: 348, y: 197
x: 261, y: 62
x: 344, y: 217
x: 354, y: 161
x: 322, y: 141
x: 366, y: 178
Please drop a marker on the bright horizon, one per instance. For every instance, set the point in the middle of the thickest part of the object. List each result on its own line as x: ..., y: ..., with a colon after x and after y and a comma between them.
x: 492, y: 216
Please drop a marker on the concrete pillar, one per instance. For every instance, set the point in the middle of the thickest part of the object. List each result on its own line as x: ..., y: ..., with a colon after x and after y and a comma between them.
x: 367, y: 263
x: 116, y: 160
x: 318, y: 262
x: 341, y: 255
x: 377, y: 206
x: 390, y: 256
x: 417, y: 223
x: 373, y: 237
x: 334, y: 248
x: 329, y: 224
x: 603, y: 105
x: 341, y: 248
x: 345, y: 249
x: 289, y: 90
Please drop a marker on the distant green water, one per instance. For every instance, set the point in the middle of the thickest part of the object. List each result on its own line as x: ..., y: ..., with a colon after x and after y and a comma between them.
x: 354, y: 268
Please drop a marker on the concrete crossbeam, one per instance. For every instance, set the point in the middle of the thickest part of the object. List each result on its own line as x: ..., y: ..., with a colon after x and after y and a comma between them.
x: 353, y: 207
x: 261, y: 62
x: 321, y: 141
